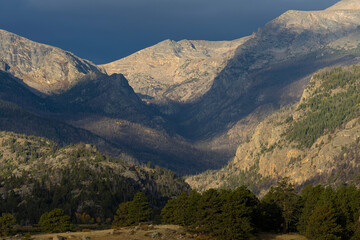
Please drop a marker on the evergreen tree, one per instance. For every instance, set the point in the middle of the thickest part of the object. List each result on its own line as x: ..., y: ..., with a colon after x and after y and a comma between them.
x: 356, y: 234
x: 121, y: 219
x: 347, y: 205
x: 271, y: 216
x: 55, y: 221
x: 208, y: 215
x: 7, y: 222
x: 239, y: 214
x: 192, y: 208
x: 322, y: 224
x: 175, y: 210
x: 310, y: 197
x: 138, y: 209
x: 286, y: 198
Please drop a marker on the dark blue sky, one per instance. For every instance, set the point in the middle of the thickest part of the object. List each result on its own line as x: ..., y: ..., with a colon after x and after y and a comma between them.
x: 106, y: 30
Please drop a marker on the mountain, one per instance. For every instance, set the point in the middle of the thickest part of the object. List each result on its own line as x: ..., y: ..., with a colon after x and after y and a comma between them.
x: 273, y: 67
x: 346, y: 5
x: 37, y: 175
x: 313, y: 141
x: 266, y: 70
x: 196, y: 101
x: 42, y: 67
x: 175, y: 71
x: 95, y: 108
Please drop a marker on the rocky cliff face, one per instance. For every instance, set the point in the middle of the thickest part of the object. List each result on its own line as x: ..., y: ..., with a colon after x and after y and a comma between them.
x: 313, y: 141
x: 45, y: 68
x: 175, y: 71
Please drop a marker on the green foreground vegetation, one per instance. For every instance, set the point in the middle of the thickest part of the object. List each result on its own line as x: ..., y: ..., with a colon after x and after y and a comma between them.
x: 317, y: 212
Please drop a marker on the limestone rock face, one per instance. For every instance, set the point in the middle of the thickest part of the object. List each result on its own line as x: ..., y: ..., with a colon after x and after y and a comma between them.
x: 177, y: 71
x: 45, y: 68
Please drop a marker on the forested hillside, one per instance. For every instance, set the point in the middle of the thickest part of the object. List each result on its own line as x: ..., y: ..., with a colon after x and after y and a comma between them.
x: 37, y: 176
x: 313, y: 141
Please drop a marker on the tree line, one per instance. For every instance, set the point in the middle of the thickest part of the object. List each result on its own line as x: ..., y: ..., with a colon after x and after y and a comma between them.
x: 318, y: 212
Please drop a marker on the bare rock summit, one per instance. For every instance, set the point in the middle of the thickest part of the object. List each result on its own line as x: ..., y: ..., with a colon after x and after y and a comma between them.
x: 177, y: 71
x: 346, y: 5
x: 45, y: 68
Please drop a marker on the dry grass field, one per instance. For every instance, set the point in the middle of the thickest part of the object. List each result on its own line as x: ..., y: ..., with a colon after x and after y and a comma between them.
x: 168, y: 232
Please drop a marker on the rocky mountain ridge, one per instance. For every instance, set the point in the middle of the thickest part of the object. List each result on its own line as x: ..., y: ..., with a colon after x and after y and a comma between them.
x: 280, y: 55
x: 266, y: 70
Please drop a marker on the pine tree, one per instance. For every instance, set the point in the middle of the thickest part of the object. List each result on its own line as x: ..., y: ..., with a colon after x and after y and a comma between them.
x: 55, y: 221
x: 285, y: 197
x: 322, y: 224
x: 208, y: 215
x: 239, y: 214
x: 7, y: 221
x: 175, y: 210
x: 138, y: 209
x: 121, y: 219
x: 310, y: 196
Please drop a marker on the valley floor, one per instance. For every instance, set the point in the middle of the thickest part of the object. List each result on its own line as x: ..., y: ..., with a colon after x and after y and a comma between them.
x: 169, y: 232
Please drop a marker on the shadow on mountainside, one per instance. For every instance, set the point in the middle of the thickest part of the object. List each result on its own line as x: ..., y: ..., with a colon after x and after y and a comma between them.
x: 253, y: 79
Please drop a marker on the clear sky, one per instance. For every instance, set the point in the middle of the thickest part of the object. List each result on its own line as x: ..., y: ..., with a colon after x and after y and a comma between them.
x: 106, y: 30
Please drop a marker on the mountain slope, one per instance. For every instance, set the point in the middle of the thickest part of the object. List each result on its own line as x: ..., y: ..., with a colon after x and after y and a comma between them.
x: 283, y: 53
x: 207, y: 87
x: 101, y: 110
x: 100, y: 94
x: 314, y: 141
x: 211, y: 94
x: 175, y: 71
x: 13, y: 90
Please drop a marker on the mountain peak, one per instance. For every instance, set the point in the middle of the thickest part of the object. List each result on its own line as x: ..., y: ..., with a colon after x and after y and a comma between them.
x: 45, y: 68
x: 346, y: 5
